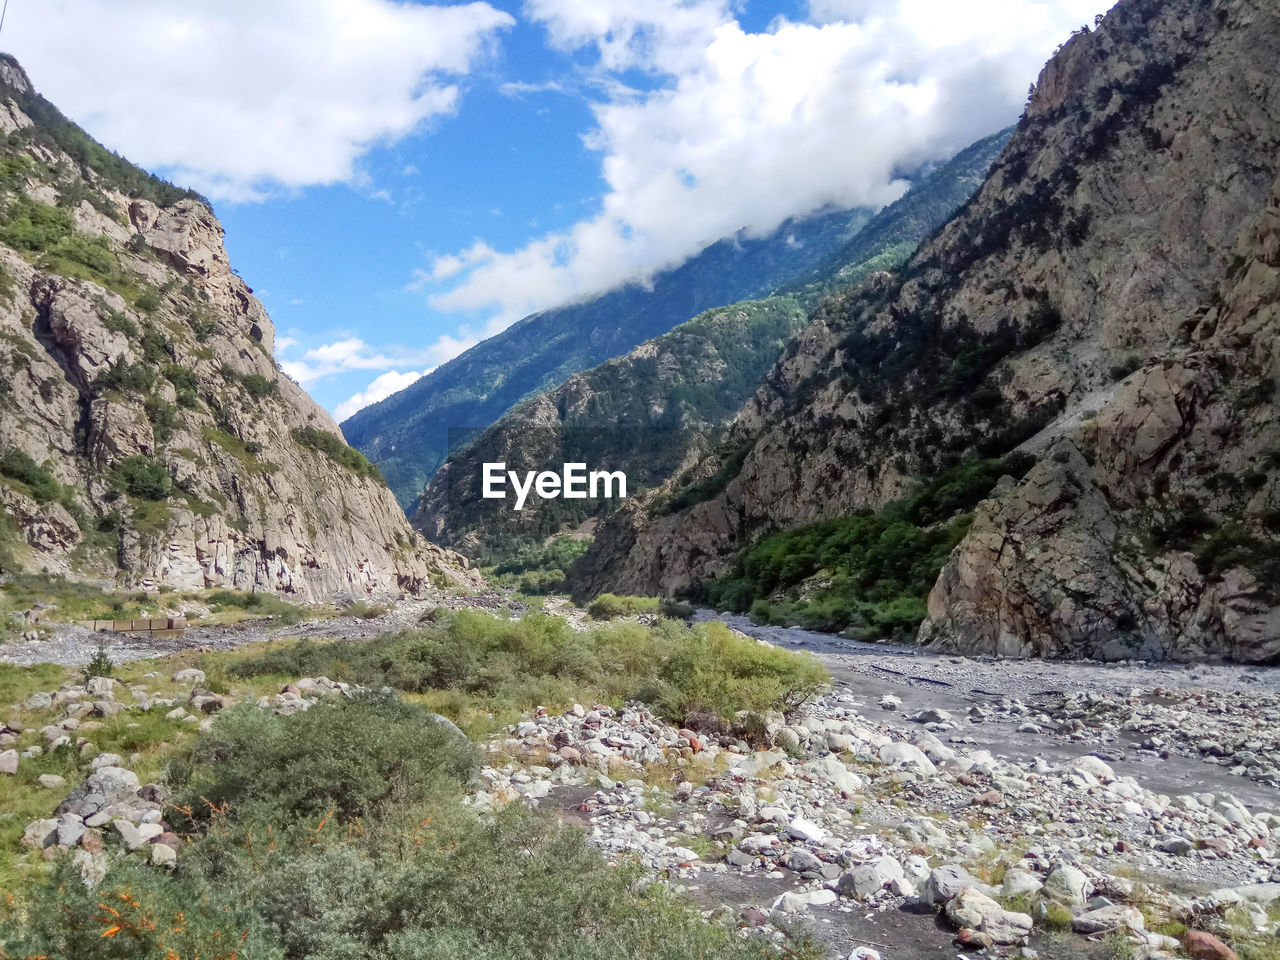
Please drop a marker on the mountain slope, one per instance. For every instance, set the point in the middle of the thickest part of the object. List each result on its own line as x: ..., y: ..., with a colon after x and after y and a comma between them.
x: 145, y: 430
x: 1073, y: 310
x: 407, y: 434
x: 661, y: 407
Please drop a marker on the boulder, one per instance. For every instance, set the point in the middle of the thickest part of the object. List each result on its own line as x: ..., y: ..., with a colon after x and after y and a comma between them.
x: 974, y: 910
x: 946, y: 883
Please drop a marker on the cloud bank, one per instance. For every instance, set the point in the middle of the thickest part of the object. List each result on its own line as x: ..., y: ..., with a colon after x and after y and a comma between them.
x: 741, y: 130
x: 239, y: 97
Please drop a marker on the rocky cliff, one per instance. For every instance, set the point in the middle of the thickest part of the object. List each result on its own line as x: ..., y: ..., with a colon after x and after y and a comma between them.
x: 1103, y: 302
x: 145, y: 429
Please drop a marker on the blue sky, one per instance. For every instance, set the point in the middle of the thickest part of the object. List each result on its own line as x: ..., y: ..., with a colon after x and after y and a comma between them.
x: 399, y: 180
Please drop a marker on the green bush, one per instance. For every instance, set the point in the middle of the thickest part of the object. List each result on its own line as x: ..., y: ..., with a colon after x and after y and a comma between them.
x: 33, y: 226
x: 510, y: 666
x: 878, y: 567
x: 126, y: 377
x: 331, y: 445
x: 609, y: 606
x: 262, y: 604
x: 143, y: 477
x: 43, y: 486
x: 343, y: 758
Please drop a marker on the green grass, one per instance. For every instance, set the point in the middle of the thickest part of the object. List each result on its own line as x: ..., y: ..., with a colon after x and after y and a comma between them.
x: 471, y: 665
x: 609, y: 606
x: 70, y: 599
x: 256, y: 605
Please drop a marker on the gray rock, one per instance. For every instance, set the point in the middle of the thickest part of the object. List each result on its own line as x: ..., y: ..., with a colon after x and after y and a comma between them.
x: 1067, y: 885
x: 946, y: 883
x: 974, y: 910
x: 104, y: 787
x: 9, y: 762
x: 1106, y: 919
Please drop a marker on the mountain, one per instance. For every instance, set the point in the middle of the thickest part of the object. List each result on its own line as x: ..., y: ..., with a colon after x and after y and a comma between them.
x: 1098, y: 324
x: 409, y: 434
x: 145, y: 430
x: 662, y: 407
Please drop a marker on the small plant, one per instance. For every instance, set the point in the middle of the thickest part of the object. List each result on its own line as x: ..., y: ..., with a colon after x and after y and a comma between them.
x: 100, y: 664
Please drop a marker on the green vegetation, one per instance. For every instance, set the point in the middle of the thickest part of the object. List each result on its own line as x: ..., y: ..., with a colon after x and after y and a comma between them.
x: 542, y: 569
x: 340, y: 833
x: 254, y: 384
x: 331, y: 445
x: 876, y: 568
x: 480, y: 668
x: 68, y: 599
x: 34, y: 479
x: 52, y: 130
x: 143, y: 477
x: 609, y: 606
x: 256, y: 604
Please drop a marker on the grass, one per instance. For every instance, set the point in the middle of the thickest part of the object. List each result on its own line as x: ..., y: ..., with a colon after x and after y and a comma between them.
x: 470, y: 664
x: 609, y: 606
x: 331, y: 445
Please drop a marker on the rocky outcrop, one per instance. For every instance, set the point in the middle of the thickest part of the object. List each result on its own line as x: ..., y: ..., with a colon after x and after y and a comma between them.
x: 145, y: 428
x: 1093, y: 305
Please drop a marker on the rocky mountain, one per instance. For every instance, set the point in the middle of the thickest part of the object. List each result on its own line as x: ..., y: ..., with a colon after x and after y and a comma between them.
x: 1105, y: 305
x: 411, y: 433
x: 145, y: 429
x: 661, y: 408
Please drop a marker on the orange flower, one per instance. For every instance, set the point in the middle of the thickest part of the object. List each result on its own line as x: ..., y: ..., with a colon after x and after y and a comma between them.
x: 111, y: 931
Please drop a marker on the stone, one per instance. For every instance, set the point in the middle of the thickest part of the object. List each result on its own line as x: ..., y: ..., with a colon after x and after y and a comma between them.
x: 1020, y: 883
x: 163, y: 855
x: 946, y: 883
x: 801, y: 860
x: 103, y: 787
x: 9, y: 762
x: 973, y: 909
x: 1106, y: 919
x: 831, y: 770
x: 1067, y: 885
x: 70, y: 829
x: 907, y: 755
x: 51, y: 781
x: 190, y: 677
x: 867, y: 879
x: 38, y: 701
x: 40, y: 834
x: 807, y: 830
x: 1201, y: 945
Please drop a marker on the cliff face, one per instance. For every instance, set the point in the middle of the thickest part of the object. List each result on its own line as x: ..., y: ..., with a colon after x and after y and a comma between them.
x: 144, y: 427
x: 1102, y: 303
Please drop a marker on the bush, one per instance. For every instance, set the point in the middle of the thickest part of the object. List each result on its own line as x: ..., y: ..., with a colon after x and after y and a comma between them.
x: 143, y: 477
x: 17, y: 465
x: 343, y: 758
x: 510, y: 666
x: 262, y: 604
x: 878, y: 567
x: 608, y: 606
x: 331, y: 446
x: 34, y: 226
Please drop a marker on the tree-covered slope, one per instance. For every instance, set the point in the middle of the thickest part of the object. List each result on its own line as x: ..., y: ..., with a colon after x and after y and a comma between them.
x: 407, y: 434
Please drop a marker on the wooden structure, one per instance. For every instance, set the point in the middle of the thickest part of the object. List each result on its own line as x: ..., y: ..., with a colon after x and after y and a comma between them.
x: 161, y: 627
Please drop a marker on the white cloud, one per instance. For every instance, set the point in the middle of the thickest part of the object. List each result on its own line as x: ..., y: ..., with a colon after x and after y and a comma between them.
x: 237, y: 97
x: 744, y: 130
x: 382, y: 387
x: 353, y: 353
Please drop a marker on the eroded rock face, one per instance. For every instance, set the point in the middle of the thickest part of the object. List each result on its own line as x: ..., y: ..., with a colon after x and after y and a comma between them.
x: 1106, y: 303
x: 160, y: 363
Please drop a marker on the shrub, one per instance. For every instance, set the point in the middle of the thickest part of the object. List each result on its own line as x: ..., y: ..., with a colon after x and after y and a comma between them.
x: 345, y: 758
x: 511, y: 666
x: 43, y: 486
x: 34, y: 226
x: 126, y: 377
x: 143, y: 477
x: 262, y: 604
x: 331, y: 445
x: 608, y: 606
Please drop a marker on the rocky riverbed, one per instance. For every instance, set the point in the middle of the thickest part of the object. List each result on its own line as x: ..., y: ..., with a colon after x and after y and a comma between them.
x: 925, y: 804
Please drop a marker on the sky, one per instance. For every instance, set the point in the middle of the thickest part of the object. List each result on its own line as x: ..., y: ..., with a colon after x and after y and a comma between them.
x: 400, y: 180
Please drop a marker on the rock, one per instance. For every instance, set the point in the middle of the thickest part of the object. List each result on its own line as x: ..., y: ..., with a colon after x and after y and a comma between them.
x: 974, y: 909
x: 1067, y: 885
x: 890, y: 702
x: 40, y: 834
x: 866, y: 879
x: 907, y: 755
x: 103, y: 787
x: 1019, y: 882
x: 801, y: 860
x: 51, y: 781
x: 1201, y: 945
x: 129, y: 834
x: 834, y: 772
x: 38, y: 701
x: 1178, y: 846
x: 190, y: 676
x: 1106, y: 919
x: 946, y: 883
x: 163, y: 855
x: 807, y: 830
x: 9, y: 762
x: 70, y: 829
x: 1093, y: 766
